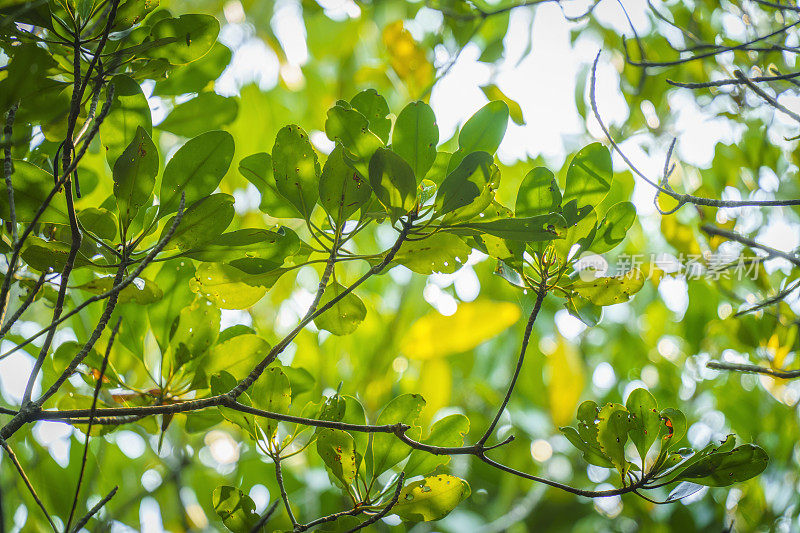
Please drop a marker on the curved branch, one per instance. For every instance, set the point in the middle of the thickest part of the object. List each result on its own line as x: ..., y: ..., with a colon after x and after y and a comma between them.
x: 682, y: 199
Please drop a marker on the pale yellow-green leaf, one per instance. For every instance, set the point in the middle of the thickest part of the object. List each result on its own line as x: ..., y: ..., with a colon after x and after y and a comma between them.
x: 237, y: 355
x: 226, y: 286
x: 612, y: 290
x: 431, y: 499
x: 566, y: 383
x: 473, y: 323
x: 679, y: 236
x: 435, y: 384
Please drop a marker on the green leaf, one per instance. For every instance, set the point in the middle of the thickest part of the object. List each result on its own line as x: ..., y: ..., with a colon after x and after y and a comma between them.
x: 25, y: 73
x: 588, y: 180
x: 592, y: 453
x: 482, y: 132
x: 529, y: 229
x: 446, y: 432
x: 189, y: 37
x: 345, y: 315
x: 645, y: 421
x: 142, y: 291
x: 354, y: 414
x: 174, y: 274
x: 351, y: 129
x: 466, y: 183
x: 229, y: 287
x: 581, y: 233
x: 493, y: 92
x: 585, y: 436
x: 342, y: 191
x: 431, y: 499
x: 236, y: 356
x: 270, y: 248
x: 135, y: 175
x: 41, y: 255
x: 257, y: 168
x: 271, y: 392
x: 196, y: 76
x: 615, y: 225
x: 207, y: 111
x: 673, y: 429
x: 538, y: 194
x: 196, y: 330
x: 721, y: 469
x: 387, y: 450
x: 683, y: 490
x: 584, y: 310
x: 439, y: 252
x: 201, y: 223
x: 31, y: 186
x: 300, y: 380
x: 222, y: 383
x: 612, y: 434
x: 393, y: 182
x: 195, y: 170
x: 611, y: 290
x: 374, y: 107
x: 129, y: 112
x: 296, y: 169
x: 101, y: 222
x: 415, y: 137
x: 337, y: 449
x: 235, y: 508
x: 132, y: 12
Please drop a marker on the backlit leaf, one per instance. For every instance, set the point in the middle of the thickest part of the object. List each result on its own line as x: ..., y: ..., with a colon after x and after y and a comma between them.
x: 432, y: 498
x: 473, y: 323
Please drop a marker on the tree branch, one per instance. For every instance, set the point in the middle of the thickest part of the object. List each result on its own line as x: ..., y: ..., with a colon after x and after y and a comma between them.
x: 540, y: 294
x: 18, y: 466
x: 733, y: 236
x: 97, y: 388
x: 682, y: 199
x: 93, y: 511
x: 737, y: 367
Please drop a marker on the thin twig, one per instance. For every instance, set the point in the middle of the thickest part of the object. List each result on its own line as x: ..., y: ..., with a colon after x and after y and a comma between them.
x: 736, y: 367
x: 719, y: 50
x: 540, y: 294
x: 682, y: 199
x: 279, y: 477
x: 733, y: 236
x: 388, y: 507
x: 278, y: 348
x: 263, y: 520
x: 771, y: 300
x: 85, y: 520
x: 28, y: 301
x: 732, y: 81
x: 97, y: 388
x: 18, y: 466
x: 767, y: 98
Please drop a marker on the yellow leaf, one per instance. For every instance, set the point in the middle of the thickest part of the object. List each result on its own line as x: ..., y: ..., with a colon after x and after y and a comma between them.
x: 680, y: 236
x: 567, y: 379
x: 435, y: 335
x: 493, y: 92
x: 435, y: 385
x: 407, y: 58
